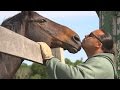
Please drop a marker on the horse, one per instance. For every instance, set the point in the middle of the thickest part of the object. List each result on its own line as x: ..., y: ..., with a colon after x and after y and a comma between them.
x: 39, y: 29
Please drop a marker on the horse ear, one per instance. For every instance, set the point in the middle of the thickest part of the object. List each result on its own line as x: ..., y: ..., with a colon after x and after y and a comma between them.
x: 26, y: 12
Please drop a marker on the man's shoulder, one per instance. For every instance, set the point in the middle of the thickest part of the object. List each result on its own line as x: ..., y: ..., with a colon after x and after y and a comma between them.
x: 101, y: 58
x: 107, y: 56
x: 104, y: 54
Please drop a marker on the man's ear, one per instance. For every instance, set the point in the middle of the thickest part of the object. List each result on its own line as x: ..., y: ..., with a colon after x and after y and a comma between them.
x: 98, y: 45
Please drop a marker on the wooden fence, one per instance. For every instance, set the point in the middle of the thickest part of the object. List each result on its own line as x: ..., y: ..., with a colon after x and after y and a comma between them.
x: 20, y: 46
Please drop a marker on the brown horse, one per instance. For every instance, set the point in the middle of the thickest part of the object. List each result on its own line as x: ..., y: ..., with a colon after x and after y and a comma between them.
x: 37, y: 28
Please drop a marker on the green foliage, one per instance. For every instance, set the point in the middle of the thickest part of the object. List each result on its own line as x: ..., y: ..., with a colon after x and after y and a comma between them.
x: 77, y: 62
x: 38, y: 69
x: 36, y: 76
x: 24, y: 72
x: 68, y: 61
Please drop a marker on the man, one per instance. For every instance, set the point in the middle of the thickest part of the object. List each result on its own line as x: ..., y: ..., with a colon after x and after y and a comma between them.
x: 100, y: 64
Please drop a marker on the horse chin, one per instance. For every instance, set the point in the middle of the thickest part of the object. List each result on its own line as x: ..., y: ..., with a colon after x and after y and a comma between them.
x: 74, y: 50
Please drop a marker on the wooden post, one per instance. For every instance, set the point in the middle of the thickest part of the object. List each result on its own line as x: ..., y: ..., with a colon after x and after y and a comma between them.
x: 59, y: 53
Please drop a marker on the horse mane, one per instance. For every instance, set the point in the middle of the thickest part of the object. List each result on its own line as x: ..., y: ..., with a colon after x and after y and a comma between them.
x: 13, y: 23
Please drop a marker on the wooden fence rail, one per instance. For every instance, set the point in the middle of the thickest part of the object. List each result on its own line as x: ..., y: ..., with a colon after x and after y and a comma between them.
x: 20, y: 46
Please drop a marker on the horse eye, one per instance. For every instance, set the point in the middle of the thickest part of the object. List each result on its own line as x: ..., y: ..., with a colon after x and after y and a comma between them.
x: 42, y: 21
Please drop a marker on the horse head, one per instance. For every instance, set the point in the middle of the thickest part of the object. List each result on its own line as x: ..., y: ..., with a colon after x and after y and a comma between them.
x: 39, y: 29
x: 55, y: 35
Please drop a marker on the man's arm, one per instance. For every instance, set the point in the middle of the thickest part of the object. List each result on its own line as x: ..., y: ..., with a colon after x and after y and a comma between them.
x: 56, y: 69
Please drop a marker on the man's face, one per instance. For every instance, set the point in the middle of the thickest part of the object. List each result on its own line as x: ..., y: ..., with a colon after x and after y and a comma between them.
x: 92, y: 40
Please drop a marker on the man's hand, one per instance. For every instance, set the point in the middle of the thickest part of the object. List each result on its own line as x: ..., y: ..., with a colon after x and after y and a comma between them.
x: 45, y: 51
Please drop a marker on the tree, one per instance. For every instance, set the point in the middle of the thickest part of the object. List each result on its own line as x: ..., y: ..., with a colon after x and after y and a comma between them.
x: 38, y: 71
x: 23, y: 72
x: 78, y: 62
x: 36, y: 76
x: 68, y: 61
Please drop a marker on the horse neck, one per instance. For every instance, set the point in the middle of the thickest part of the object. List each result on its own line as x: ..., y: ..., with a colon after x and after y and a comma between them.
x: 10, y: 64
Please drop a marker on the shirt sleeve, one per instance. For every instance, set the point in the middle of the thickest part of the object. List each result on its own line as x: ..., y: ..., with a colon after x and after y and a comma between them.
x: 58, y: 70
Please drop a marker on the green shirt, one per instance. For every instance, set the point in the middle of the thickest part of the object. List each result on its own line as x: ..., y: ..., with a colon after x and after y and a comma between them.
x: 96, y: 67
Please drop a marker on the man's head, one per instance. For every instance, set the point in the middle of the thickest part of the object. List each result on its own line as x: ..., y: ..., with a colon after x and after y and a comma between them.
x: 98, y: 41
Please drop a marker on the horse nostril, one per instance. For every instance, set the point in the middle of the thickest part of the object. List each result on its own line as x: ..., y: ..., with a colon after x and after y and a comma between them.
x: 76, y: 38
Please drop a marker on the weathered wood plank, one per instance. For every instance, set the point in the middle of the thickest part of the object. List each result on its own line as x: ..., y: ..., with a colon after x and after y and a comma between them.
x: 59, y: 53
x: 18, y: 45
